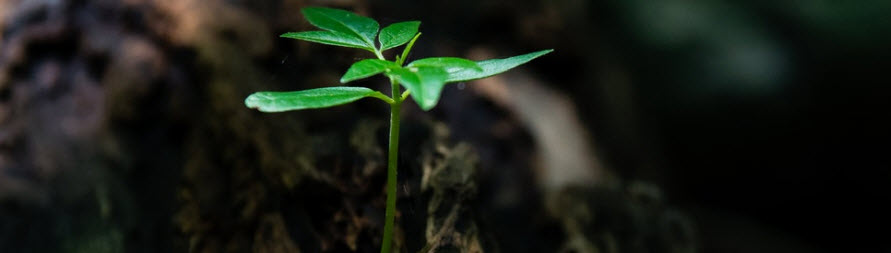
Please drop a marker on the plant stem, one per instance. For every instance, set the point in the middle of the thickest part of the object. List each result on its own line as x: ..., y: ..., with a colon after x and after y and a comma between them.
x: 378, y: 54
x: 389, y: 219
x: 407, y: 49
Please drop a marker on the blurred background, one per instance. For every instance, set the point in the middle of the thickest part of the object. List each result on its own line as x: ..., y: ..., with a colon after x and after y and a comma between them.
x: 654, y: 126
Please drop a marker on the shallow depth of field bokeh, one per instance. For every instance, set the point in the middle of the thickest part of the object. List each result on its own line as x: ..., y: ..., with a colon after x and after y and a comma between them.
x: 654, y: 126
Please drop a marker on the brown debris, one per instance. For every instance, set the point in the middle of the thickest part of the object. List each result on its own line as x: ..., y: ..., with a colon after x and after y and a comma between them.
x: 450, y: 175
x: 272, y: 236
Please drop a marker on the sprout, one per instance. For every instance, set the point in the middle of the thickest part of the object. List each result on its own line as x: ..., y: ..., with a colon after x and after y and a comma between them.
x: 423, y: 79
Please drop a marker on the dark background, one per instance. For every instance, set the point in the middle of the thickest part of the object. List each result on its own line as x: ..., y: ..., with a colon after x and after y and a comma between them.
x: 772, y: 113
x: 765, y: 122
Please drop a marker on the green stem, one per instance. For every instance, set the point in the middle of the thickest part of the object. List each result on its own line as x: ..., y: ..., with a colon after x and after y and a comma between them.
x: 389, y: 219
x: 405, y: 94
x: 407, y: 49
x: 385, y: 98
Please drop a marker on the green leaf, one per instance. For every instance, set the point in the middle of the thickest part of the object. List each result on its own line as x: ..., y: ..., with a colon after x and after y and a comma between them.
x: 397, y: 34
x: 329, y: 38
x: 343, y: 21
x: 424, y: 83
x: 450, y: 64
x: 366, y: 68
x: 494, y: 66
x: 272, y: 101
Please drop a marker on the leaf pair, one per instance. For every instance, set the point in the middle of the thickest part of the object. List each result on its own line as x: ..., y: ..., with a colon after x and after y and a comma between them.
x: 424, y: 78
x: 331, y: 96
x: 427, y: 77
x: 347, y: 29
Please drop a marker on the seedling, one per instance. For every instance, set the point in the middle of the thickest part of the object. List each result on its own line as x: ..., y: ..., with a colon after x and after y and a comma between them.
x: 423, y: 79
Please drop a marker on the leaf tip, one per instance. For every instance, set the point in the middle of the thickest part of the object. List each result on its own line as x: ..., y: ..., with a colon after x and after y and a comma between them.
x: 428, y: 103
x: 428, y: 107
x: 251, y: 101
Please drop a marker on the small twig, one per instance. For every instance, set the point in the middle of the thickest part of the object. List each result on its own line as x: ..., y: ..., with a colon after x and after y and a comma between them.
x: 446, y: 226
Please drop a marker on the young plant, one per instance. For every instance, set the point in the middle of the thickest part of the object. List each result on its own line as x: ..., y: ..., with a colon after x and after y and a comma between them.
x: 423, y: 79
